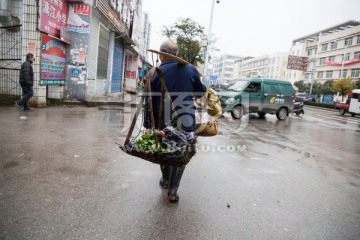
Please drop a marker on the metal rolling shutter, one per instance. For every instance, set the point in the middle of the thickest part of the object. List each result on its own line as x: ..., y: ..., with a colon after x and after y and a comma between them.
x: 117, y: 70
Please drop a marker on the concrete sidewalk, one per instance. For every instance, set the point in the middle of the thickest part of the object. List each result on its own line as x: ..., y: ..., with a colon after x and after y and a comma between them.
x: 116, y: 99
x: 119, y: 99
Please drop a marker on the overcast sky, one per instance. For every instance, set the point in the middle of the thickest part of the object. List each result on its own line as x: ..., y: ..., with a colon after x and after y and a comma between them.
x: 252, y: 27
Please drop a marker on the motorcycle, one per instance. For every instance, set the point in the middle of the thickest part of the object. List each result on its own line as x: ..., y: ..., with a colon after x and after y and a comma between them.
x: 298, y: 107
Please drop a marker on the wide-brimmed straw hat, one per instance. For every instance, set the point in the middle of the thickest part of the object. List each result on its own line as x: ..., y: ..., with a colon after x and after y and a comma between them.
x: 169, y: 56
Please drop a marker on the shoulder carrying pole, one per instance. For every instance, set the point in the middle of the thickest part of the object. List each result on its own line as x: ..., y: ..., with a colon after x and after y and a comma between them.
x: 132, y: 126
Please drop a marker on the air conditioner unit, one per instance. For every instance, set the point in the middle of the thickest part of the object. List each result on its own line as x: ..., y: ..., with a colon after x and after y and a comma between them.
x: 6, y: 20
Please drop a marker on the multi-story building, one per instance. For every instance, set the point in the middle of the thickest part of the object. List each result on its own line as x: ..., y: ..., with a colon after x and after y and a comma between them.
x: 269, y: 66
x: 237, y: 67
x: 332, y: 53
x: 146, y: 34
x: 223, y: 67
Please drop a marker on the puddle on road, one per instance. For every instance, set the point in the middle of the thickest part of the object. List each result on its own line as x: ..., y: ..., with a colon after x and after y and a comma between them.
x: 10, y: 165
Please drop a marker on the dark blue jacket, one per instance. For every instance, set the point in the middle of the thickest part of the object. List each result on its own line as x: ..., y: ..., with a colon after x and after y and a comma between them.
x: 26, y: 73
x: 183, y: 82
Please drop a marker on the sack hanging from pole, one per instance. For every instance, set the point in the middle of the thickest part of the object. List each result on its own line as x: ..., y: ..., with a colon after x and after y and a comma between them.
x: 213, y: 102
x: 207, y: 126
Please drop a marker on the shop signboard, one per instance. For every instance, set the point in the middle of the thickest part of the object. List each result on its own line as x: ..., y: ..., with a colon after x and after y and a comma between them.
x: 53, y: 15
x: 116, y: 12
x: 131, y: 72
x: 136, y: 31
x: 297, y: 63
x: 79, y: 18
x: 53, y: 55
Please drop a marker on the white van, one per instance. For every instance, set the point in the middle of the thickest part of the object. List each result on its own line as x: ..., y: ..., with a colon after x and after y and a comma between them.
x: 354, y: 107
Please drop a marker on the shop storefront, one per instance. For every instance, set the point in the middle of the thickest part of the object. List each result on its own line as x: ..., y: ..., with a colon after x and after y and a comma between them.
x: 110, y: 35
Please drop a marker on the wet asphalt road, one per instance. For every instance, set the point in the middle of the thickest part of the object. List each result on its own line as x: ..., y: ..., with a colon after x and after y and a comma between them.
x: 62, y: 176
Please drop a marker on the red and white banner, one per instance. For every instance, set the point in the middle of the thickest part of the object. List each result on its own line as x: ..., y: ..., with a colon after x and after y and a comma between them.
x: 131, y: 66
x: 82, y: 9
x: 53, y: 15
x: 331, y: 63
x: 32, y: 48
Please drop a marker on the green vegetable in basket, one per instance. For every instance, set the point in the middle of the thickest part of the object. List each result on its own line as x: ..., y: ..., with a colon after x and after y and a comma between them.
x: 147, y: 143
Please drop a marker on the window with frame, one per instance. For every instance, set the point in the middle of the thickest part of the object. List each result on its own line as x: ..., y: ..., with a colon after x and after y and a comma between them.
x: 356, y: 55
x: 355, y: 72
x: 333, y: 45
x: 310, y: 65
x: 348, y: 41
x: 309, y: 52
x: 322, y: 61
x: 320, y: 74
x: 103, y: 50
x: 346, y: 57
x: 358, y: 39
x: 306, y: 76
x: 329, y: 74
x: 343, y: 73
x: 324, y: 47
x: 332, y: 58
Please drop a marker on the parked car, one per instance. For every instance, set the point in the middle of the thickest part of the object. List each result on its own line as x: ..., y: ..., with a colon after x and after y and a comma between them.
x: 343, y: 107
x: 300, y: 96
x: 306, y: 97
x: 258, y: 95
x: 310, y: 97
x: 352, y: 104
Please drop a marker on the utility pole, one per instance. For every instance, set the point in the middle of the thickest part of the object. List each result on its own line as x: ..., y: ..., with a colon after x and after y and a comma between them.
x: 209, y: 37
x: 342, y: 63
x: 314, y: 68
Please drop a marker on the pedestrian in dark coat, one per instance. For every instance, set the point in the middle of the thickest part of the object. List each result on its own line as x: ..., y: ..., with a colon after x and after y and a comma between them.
x: 183, y: 82
x: 26, y: 82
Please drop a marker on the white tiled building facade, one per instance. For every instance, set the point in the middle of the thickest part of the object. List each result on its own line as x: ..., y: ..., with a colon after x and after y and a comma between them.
x: 268, y: 66
x: 14, y: 47
x: 332, y: 53
x: 223, y: 67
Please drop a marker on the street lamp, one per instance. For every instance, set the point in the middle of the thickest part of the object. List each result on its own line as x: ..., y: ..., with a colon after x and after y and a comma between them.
x: 342, y: 63
x: 314, y: 67
x: 206, y: 43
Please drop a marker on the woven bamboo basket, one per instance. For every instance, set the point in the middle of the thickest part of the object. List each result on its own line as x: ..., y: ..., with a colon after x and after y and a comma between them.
x: 179, y: 156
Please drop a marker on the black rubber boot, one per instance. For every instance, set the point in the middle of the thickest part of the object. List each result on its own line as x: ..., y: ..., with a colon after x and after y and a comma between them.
x: 19, y: 105
x: 164, y: 180
x: 174, y: 182
x: 26, y: 107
